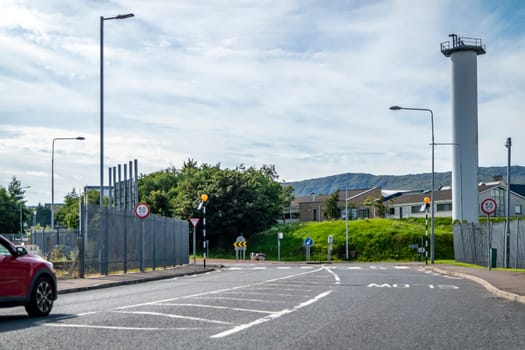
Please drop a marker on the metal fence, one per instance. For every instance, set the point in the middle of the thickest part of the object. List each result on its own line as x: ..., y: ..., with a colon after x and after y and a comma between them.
x: 115, y: 240
x: 471, y: 243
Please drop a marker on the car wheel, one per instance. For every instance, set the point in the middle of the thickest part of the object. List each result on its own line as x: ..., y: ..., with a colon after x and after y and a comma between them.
x: 41, y: 301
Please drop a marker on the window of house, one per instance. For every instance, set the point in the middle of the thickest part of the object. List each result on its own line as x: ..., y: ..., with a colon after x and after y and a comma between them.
x: 415, y: 209
x: 392, y: 211
x: 444, y: 207
x: 518, y: 210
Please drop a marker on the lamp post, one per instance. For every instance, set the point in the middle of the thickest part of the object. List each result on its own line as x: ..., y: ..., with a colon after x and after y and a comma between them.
x: 79, y: 138
x: 21, y: 219
x: 397, y: 108
x: 508, y: 145
x: 102, y: 19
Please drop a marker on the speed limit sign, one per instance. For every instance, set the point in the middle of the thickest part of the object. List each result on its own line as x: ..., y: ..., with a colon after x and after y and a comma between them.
x: 142, y: 210
x: 489, y: 206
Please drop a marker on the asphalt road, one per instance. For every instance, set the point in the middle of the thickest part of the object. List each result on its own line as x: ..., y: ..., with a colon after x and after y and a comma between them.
x: 278, y: 306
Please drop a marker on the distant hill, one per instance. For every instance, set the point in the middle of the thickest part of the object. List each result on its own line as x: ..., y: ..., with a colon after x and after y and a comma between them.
x: 329, y: 184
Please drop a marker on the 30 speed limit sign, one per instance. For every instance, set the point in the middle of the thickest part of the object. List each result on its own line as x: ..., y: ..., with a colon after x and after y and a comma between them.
x: 489, y: 206
x: 142, y: 210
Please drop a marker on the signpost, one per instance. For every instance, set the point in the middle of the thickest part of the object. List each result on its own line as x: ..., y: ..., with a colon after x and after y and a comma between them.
x: 489, y: 206
x: 202, y: 205
x: 427, y: 204
x: 330, y: 247
x: 279, y: 237
x: 194, y: 222
x: 308, y: 243
x: 240, y: 245
x: 142, y: 211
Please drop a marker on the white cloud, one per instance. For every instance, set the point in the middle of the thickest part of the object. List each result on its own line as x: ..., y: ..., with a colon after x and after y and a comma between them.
x: 304, y: 85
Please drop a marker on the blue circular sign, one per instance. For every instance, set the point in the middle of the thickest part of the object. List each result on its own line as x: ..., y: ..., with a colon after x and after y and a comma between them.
x: 308, y: 242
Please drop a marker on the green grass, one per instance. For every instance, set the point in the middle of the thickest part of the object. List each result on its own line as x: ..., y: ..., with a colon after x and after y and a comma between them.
x: 457, y: 263
x: 368, y: 240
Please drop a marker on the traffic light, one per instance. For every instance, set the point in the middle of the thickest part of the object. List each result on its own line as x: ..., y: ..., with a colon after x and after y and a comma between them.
x: 427, y: 202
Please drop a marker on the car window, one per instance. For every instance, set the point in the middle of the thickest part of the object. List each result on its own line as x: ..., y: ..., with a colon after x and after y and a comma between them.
x: 4, y: 250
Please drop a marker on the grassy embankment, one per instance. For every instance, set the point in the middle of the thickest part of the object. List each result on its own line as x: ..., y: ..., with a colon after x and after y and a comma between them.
x: 368, y: 240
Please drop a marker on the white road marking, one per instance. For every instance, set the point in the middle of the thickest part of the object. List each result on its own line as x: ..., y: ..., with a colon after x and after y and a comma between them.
x: 354, y: 268
x: 237, y: 299
x: 86, y: 313
x: 283, y: 267
x: 401, y: 267
x: 218, y: 307
x: 270, y: 294
x: 119, y: 328
x: 337, y: 279
x: 270, y: 317
x: 149, y: 313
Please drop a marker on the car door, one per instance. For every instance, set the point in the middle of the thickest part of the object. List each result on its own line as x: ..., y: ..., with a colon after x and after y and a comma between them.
x: 13, y: 275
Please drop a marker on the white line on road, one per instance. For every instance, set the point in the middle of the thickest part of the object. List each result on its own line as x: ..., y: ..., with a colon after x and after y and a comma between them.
x: 86, y: 313
x: 337, y: 279
x: 270, y: 317
x: 238, y: 299
x: 219, y: 307
x: 119, y: 328
x: 219, y: 290
x: 149, y: 313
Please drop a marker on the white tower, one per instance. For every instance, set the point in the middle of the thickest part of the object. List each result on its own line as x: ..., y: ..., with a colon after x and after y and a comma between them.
x: 463, y: 53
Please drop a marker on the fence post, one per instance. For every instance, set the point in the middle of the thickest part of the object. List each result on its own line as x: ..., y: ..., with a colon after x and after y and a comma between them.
x: 80, y: 244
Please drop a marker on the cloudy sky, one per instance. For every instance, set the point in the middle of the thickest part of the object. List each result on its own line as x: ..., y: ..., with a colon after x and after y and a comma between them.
x: 301, y: 84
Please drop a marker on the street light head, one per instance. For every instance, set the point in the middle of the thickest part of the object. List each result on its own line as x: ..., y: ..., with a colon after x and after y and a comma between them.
x: 395, y: 108
x: 127, y: 15
x: 81, y: 138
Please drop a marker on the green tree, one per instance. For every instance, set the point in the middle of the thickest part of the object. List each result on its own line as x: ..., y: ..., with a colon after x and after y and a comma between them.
x: 378, y: 204
x: 157, y: 188
x: 68, y: 215
x: 246, y: 200
x: 331, y: 207
x: 287, y: 196
x: 9, y: 220
x: 43, y: 215
x: 15, y: 189
x: 15, y: 192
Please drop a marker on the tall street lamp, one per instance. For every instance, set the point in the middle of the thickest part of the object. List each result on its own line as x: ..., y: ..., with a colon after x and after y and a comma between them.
x: 79, y: 138
x: 102, y: 19
x: 508, y: 145
x: 397, y: 108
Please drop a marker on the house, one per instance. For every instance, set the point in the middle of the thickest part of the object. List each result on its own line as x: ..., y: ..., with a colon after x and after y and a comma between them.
x: 310, y: 208
x: 401, y: 204
x: 409, y: 204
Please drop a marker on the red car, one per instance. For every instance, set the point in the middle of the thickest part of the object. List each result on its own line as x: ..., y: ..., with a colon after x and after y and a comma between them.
x: 26, y: 280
